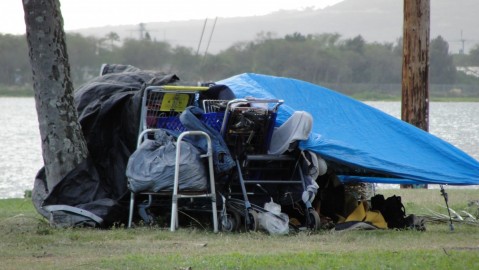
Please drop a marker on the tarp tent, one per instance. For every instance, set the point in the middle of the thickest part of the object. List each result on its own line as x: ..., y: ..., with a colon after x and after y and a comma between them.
x: 364, y: 143
x: 108, y: 110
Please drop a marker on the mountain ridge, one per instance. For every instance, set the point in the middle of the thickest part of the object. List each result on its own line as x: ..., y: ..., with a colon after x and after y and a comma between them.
x: 375, y: 20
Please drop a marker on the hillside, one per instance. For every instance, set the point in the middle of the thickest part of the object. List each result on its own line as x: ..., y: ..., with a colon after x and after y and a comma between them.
x: 376, y: 20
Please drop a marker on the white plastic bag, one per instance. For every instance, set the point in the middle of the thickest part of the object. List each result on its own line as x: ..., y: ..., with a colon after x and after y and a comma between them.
x: 273, y: 220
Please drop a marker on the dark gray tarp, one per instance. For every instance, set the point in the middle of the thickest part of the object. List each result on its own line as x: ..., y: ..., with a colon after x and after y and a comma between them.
x: 108, y: 110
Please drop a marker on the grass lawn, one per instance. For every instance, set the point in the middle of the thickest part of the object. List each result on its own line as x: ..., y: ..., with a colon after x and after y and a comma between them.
x: 28, y: 242
x: 16, y: 91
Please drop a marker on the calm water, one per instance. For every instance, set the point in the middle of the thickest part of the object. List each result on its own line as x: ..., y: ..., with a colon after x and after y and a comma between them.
x: 457, y: 123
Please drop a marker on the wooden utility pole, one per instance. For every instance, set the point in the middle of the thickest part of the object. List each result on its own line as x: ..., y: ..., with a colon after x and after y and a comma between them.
x: 415, y: 67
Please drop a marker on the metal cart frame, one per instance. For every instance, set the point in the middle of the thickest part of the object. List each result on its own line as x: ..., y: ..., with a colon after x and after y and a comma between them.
x: 246, y: 152
x: 160, y: 108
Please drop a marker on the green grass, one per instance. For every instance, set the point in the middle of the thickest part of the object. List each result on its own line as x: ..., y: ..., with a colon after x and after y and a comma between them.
x: 28, y: 242
x: 16, y: 91
x: 455, y: 99
x: 373, y: 96
x: 27, y: 91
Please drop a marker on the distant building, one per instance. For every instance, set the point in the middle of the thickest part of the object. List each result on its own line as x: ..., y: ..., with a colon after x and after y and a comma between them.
x: 471, y: 71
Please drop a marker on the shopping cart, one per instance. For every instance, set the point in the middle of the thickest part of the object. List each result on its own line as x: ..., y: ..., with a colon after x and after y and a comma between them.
x: 160, y: 110
x: 260, y: 177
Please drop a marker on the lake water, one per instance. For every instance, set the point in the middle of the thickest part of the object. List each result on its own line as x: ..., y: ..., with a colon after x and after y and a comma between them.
x: 20, y: 145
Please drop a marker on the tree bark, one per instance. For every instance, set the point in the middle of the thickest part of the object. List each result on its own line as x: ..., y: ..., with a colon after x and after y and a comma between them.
x: 63, y: 144
x: 415, y: 67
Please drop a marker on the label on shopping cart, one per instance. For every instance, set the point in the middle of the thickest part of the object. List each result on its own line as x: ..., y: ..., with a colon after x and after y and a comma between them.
x: 174, y: 102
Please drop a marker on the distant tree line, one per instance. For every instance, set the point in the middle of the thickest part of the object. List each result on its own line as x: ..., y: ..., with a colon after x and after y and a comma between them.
x: 320, y: 58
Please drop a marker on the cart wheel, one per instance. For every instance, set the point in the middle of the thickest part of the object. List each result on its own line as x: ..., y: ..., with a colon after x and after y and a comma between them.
x: 314, y: 221
x: 253, y: 221
x: 230, y: 222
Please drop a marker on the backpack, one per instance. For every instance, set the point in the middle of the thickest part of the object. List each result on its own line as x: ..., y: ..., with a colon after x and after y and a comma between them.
x: 392, y: 209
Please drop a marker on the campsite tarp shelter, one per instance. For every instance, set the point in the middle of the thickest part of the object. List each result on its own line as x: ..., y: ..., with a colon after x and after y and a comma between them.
x: 346, y: 132
x: 366, y: 144
x: 108, y: 110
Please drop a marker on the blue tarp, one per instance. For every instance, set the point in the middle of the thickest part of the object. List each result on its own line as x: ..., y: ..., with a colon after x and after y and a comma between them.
x: 375, y: 146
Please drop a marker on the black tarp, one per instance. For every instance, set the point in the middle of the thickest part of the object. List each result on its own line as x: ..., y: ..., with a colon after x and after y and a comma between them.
x: 108, y: 110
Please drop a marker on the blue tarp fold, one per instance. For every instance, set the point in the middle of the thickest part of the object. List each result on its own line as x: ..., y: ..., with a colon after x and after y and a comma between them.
x: 355, y: 135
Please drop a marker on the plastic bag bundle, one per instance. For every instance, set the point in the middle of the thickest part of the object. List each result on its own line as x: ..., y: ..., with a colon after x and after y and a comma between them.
x: 152, y: 166
x: 273, y: 220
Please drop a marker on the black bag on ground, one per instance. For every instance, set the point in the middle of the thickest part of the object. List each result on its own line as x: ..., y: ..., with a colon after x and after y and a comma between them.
x: 377, y: 203
x: 392, y: 210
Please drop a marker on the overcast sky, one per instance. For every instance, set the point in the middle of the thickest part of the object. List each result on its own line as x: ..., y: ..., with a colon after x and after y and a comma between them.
x: 91, y: 13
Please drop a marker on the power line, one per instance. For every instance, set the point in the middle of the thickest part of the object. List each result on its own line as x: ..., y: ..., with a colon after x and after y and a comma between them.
x: 201, y: 37
x: 209, y: 40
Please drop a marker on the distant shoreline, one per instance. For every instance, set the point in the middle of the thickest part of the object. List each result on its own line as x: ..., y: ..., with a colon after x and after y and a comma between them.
x: 10, y: 91
x: 16, y: 91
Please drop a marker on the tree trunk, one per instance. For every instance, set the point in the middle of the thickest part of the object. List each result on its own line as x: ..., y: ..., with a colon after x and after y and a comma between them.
x: 63, y: 144
x: 415, y: 67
